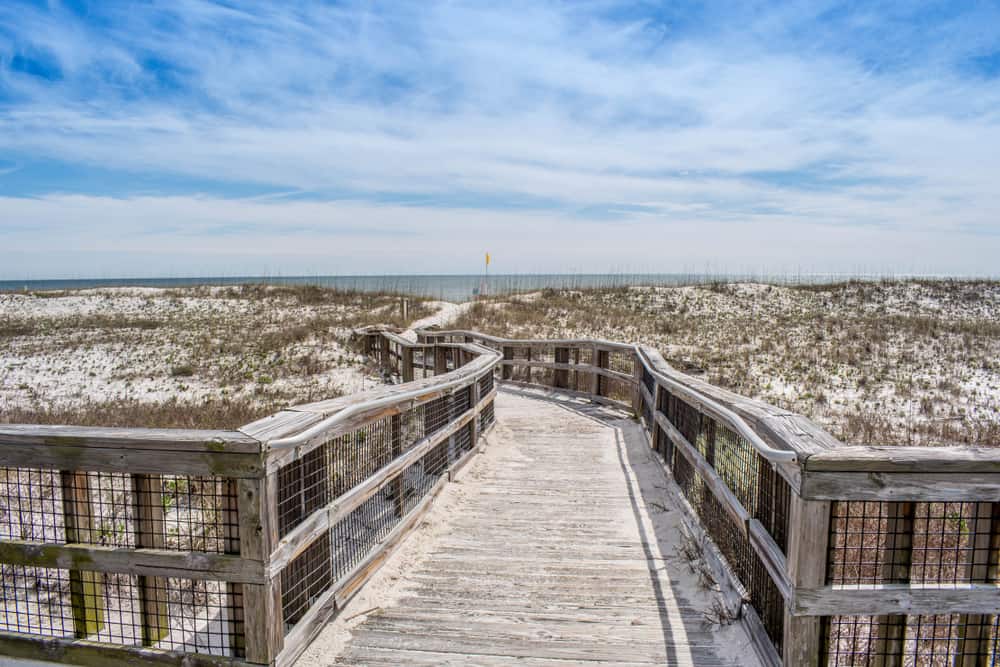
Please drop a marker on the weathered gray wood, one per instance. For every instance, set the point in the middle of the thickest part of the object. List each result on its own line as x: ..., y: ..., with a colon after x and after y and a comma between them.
x: 549, y: 560
x: 319, y: 523
x: 328, y: 603
x: 130, y: 460
x: 152, y: 562
x: 171, y: 440
x: 884, y: 599
x: 906, y: 459
x: 262, y: 613
x: 726, y: 499
x: 901, y: 486
x: 97, y: 654
x: 808, y: 537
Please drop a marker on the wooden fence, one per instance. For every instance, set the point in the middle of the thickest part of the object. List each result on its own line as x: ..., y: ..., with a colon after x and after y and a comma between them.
x: 828, y: 554
x: 234, y: 547
x: 224, y: 547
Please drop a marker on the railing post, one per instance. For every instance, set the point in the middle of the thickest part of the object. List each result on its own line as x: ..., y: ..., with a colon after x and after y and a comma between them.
x: 808, y: 537
x: 637, y: 388
x: 396, y: 427
x: 86, y: 588
x: 600, y: 360
x: 150, y: 533
x: 407, y: 364
x: 561, y: 375
x: 440, y: 360
x: 258, y: 516
x: 385, y: 357
x: 507, y: 369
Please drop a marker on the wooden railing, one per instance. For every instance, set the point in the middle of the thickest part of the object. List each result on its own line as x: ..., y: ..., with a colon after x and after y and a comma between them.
x: 829, y: 554
x: 234, y: 547
x: 224, y: 547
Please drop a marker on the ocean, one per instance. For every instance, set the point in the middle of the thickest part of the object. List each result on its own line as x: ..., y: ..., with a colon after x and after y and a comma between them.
x: 445, y: 287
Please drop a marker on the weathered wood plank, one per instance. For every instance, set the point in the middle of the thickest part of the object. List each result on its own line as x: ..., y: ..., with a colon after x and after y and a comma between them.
x: 152, y: 562
x: 901, y: 486
x: 906, y: 459
x: 808, y: 538
x: 884, y: 599
x: 171, y: 440
x: 98, y: 654
x: 131, y: 460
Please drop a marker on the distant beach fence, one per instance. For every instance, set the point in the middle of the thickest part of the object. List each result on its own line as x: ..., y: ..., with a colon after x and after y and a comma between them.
x: 446, y: 287
x: 236, y: 547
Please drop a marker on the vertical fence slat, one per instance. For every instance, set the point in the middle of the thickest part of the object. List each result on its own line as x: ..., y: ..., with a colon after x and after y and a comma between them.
x: 86, y: 589
x: 264, y: 623
x: 149, y: 533
x: 808, y: 535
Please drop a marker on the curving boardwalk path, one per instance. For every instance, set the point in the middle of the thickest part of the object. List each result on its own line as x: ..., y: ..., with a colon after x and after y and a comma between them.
x: 559, y: 547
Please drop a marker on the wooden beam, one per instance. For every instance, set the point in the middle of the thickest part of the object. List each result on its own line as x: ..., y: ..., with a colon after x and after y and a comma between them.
x: 808, y: 535
x: 99, y: 654
x: 892, y: 599
x: 902, y: 486
x: 150, y: 562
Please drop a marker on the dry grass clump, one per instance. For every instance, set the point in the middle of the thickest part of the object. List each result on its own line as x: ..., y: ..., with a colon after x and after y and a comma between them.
x: 891, y: 362
x: 201, y: 356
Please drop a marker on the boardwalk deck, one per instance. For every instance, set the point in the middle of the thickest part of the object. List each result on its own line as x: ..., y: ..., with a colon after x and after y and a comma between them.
x: 559, y: 548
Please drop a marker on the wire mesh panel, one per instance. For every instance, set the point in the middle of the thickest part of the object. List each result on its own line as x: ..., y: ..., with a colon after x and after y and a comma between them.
x: 648, y: 381
x: 933, y: 641
x: 486, y: 416
x: 339, y: 465
x: 192, y: 512
x: 31, y: 505
x: 732, y: 541
x: 357, y: 535
x: 303, y: 580
x: 622, y: 361
x: 197, y: 616
x: 925, y: 542
x: 485, y: 384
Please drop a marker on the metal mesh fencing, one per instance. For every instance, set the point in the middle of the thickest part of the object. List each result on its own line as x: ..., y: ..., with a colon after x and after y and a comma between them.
x: 931, y: 641
x: 188, y: 513
x: 188, y: 615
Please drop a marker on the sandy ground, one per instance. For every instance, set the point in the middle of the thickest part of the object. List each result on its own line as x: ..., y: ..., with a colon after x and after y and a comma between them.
x: 255, y: 346
x: 913, y: 362
x: 646, y: 476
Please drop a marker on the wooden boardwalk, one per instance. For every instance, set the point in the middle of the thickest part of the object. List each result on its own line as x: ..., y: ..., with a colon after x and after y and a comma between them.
x: 551, y: 558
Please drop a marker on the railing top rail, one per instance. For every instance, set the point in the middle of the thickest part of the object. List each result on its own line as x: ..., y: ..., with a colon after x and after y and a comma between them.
x: 528, y: 341
x: 645, y: 357
x: 167, y: 439
x: 372, y: 402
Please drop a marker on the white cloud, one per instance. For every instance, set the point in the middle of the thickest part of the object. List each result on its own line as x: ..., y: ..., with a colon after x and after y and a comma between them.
x: 542, y: 102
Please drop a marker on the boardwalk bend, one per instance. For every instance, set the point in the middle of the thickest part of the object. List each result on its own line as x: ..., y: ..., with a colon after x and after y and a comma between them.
x: 606, y: 509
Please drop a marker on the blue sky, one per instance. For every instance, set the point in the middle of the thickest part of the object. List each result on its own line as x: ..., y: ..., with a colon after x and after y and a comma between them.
x: 190, y: 137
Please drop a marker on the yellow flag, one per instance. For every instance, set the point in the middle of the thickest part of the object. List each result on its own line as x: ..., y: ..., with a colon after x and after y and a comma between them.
x: 487, y: 259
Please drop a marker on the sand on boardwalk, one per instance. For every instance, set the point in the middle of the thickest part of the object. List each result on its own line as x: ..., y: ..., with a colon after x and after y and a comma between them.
x: 645, y: 474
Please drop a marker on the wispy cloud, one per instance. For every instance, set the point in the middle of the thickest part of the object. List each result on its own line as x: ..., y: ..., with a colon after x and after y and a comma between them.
x: 791, y: 121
